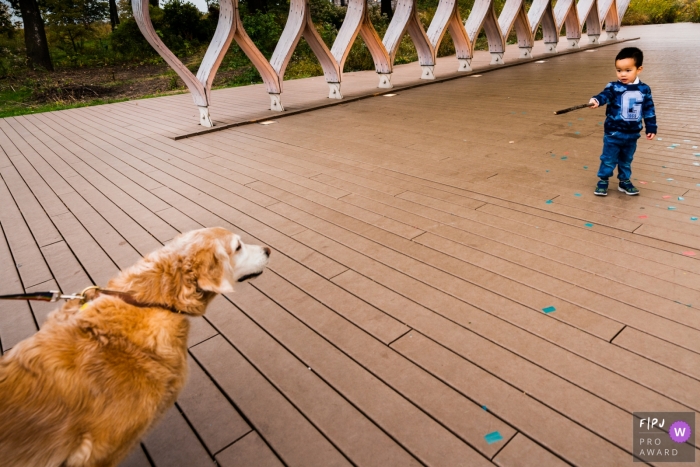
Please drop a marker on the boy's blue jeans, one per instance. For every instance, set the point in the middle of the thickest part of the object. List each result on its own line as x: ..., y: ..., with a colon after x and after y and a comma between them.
x: 618, y: 150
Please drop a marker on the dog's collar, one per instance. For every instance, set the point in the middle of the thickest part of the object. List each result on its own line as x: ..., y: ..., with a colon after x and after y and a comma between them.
x: 127, y: 298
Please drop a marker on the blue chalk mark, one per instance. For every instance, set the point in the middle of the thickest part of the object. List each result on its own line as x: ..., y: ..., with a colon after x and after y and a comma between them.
x: 585, y: 167
x: 564, y: 158
x: 493, y: 437
x: 680, y: 198
x: 577, y: 132
x: 671, y: 208
x: 577, y: 194
x: 693, y: 218
x: 484, y: 407
x: 589, y: 225
x: 549, y: 309
x: 549, y: 201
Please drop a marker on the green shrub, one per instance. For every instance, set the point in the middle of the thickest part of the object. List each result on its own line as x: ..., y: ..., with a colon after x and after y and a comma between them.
x: 128, y: 40
x: 691, y: 11
x: 184, y: 20
x: 662, y: 11
x: 264, y: 29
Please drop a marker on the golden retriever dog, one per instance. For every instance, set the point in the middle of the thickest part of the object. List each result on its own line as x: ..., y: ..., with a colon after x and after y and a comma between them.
x: 86, y: 387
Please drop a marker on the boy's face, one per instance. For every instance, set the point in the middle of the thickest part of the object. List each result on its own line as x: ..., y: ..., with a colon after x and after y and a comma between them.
x: 627, y: 70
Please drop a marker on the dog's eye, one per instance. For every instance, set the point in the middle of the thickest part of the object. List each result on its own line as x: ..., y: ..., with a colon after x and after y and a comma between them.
x: 239, y: 247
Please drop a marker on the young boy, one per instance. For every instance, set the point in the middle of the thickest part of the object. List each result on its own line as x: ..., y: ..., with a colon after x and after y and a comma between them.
x: 628, y: 101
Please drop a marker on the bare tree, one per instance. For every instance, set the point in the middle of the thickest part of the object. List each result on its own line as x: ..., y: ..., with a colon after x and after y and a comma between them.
x: 34, y: 34
x: 113, y: 14
x: 386, y: 8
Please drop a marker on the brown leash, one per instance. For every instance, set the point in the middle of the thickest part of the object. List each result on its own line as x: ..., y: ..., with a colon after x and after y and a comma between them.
x: 55, y: 295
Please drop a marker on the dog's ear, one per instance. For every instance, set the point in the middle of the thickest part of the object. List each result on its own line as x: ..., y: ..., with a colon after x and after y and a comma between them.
x: 212, y: 273
x: 210, y: 284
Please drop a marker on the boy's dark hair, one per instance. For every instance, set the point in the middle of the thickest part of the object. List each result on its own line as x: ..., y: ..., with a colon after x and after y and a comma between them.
x: 631, y: 52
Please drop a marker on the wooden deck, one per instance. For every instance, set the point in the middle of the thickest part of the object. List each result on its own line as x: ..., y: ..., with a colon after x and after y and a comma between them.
x: 417, y: 240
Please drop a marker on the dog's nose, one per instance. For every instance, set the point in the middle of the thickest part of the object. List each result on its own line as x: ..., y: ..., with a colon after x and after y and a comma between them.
x: 267, y: 251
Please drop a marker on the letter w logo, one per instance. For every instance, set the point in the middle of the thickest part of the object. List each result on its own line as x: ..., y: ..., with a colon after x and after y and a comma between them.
x: 679, y: 431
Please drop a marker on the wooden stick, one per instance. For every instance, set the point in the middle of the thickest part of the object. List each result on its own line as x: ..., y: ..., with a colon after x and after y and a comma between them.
x: 576, y: 107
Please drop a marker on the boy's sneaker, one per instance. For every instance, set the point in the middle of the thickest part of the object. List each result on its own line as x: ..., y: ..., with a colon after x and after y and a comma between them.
x: 627, y: 188
x: 602, y: 188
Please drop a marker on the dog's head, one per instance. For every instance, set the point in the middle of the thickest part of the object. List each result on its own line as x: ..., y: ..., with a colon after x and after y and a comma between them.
x: 192, y: 268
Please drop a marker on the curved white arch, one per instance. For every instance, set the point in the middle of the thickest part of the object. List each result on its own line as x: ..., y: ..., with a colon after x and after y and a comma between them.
x: 483, y: 16
x: 512, y: 16
x: 592, y: 13
x: 447, y: 18
x: 542, y: 13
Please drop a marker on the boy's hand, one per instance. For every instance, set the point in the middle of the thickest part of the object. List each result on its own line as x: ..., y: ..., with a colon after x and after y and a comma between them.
x: 651, y: 136
x: 593, y: 103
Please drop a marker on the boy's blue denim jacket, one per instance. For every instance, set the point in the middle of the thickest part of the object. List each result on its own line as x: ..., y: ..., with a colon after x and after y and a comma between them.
x: 627, y: 104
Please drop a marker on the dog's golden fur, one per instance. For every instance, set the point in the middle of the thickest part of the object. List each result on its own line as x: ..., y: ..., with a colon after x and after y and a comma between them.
x: 89, y: 384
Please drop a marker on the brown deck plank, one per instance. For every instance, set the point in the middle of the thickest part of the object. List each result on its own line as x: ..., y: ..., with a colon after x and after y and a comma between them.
x: 172, y: 443
x: 594, y: 349
x: 597, y: 325
x: 69, y: 274
x: 200, y: 330
x: 523, y: 452
x: 212, y: 416
x: 370, y: 319
x: 305, y: 362
x: 524, y: 411
x: 117, y: 168
x: 25, y: 251
x: 462, y: 417
x: 286, y: 430
x: 422, y: 320
x: 16, y: 319
x: 38, y: 222
x: 661, y: 351
x: 136, y: 458
x: 141, y: 240
x: 678, y: 327
x: 628, y: 247
x: 98, y: 265
x: 249, y: 451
